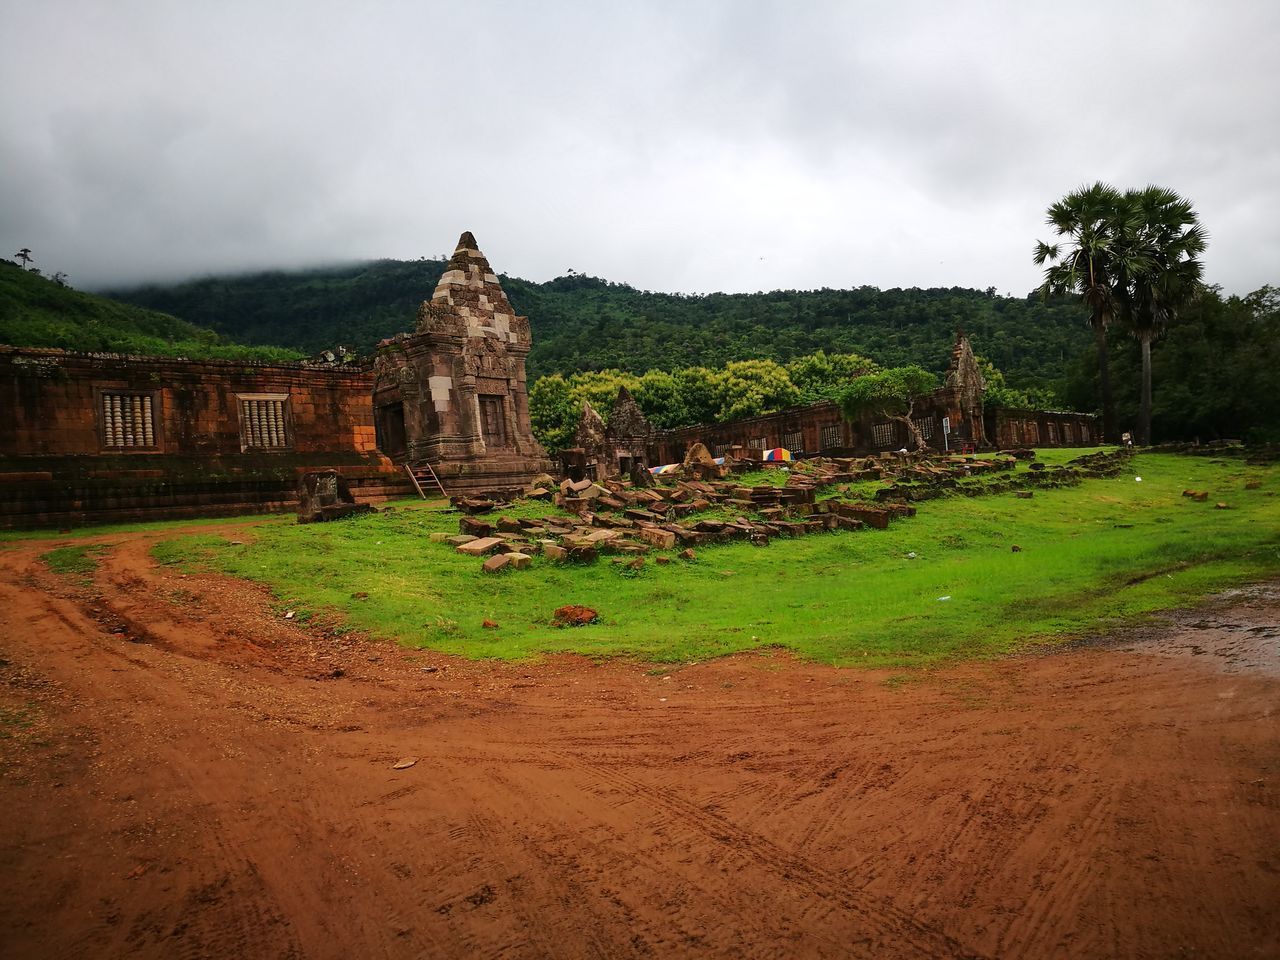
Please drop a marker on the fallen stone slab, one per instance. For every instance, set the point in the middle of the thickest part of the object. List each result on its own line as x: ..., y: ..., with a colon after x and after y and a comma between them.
x: 476, y: 528
x: 497, y: 563
x: 480, y: 546
x: 662, y: 539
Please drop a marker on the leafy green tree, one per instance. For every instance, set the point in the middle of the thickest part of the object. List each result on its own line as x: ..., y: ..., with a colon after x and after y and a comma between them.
x: 551, y: 411
x: 751, y: 388
x: 699, y: 390
x: 1163, y: 241
x: 24, y: 255
x: 1087, y: 261
x: 998, y: 393
x: 658, y: 395
x: 891, y: 394
x: 821, y: 376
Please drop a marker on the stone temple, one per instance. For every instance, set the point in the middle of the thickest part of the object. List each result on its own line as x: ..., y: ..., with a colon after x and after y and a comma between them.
x: 453, y: 394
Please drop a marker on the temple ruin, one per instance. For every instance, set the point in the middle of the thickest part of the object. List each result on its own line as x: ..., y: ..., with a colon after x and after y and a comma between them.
x: 452, y: 394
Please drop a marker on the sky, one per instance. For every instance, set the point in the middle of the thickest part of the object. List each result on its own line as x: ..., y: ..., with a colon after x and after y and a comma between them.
x: 691, y: 147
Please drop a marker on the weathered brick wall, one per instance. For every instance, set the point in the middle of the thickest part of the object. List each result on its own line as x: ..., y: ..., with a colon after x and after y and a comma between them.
x: 1011, y: 428
x: 59, y: 465
x: 53, y: 401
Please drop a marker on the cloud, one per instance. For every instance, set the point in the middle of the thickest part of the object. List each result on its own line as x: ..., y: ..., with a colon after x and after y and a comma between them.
x: 716, y: 146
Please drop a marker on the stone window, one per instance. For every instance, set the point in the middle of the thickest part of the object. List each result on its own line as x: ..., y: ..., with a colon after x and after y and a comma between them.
x: 1032, y: 438
x: 793, y: 441
x: 1053, y: 434
x: 721, y: 449
x: 1069, y: 434
x: 927, y: 426
x: 264, y: 421
x: 493, y: 420
x: 832, y: 436
x: 883, y: 435
x: 128, y: 421
x: 758, y: 443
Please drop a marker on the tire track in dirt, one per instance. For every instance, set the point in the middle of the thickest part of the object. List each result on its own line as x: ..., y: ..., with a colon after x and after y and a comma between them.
x: 887, y: 927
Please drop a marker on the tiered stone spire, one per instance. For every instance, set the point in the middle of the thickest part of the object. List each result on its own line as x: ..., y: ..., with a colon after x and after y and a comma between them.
x: 469, y: 301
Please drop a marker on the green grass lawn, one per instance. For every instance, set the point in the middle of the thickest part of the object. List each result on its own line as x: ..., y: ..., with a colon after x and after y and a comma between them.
x: 1092, y: 556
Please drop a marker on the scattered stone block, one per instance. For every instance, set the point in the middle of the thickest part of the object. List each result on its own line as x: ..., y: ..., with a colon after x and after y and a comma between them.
x: 573, y: 615
x: 688, y: 554
x: 497, y: 563
x: 440, y: 537
x: 518, y: 561
x: 553, y: 551
x: 1025, y: 494
x: 459, y: 539
x: 477, y: 528
x: 509, y: 525
x: 479, y: 547
x: 324, y: 495
x: 662, y: 539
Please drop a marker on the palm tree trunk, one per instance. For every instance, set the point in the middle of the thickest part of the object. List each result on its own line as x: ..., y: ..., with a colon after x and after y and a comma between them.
x: 1109, y: 434
x: 1144, y: 407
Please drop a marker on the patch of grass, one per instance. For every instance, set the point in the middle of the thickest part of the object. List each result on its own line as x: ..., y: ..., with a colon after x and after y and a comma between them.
x: 14, y: 719
x: 1092, y: 556
x: 76, y: 559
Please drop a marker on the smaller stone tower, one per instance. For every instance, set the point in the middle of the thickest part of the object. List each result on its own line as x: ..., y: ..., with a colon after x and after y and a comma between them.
x: 965, y: 385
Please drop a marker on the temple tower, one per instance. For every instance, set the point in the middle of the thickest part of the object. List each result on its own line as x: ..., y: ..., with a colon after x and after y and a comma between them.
x: 965, y: 386
x: 453, y: 393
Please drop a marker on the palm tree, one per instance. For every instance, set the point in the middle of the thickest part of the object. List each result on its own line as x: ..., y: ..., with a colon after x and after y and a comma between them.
x: 1092, y: 219
x: 1162, y: 273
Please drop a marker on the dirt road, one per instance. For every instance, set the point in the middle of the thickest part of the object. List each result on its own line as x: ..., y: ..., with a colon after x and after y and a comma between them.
x: 185, y: 774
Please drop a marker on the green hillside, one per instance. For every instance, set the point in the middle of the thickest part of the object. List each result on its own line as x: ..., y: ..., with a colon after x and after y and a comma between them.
x: 37, y: 312
x: 583, y: 323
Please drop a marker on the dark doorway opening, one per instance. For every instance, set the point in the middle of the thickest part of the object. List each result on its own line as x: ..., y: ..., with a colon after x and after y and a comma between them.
x: 493, y: 421
x: 389, y: 429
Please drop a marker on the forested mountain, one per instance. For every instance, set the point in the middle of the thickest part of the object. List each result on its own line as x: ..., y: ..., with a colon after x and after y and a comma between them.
x: 582, y: 323
x: 37, y: 312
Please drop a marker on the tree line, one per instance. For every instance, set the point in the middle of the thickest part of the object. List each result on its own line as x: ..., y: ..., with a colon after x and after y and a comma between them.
x: 740, y: 389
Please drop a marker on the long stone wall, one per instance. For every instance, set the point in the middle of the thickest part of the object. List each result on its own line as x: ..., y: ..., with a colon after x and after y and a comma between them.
x: 110, y: 437
x: 1010, y: 428
x: 821, y: 429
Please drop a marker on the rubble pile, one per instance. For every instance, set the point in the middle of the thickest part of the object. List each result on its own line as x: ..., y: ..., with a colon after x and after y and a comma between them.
x: 625, y: 521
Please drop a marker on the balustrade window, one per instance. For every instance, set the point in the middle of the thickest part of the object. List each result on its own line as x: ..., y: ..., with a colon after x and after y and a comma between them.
x: 832, y: 436
x: 264, y: 421
x: 128, y: 421
x: 793, y: 441
x: 883, y: 435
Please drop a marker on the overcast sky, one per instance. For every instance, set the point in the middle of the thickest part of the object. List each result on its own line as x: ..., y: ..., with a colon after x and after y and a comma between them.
x: 674, y: 146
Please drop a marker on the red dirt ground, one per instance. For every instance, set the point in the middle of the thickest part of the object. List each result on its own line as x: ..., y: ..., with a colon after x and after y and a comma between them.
x: 188, y: 775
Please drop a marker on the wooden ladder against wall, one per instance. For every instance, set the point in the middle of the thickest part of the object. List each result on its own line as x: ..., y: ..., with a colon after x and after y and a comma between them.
x: 424, y: 479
